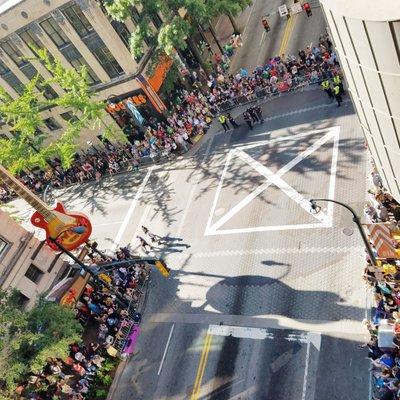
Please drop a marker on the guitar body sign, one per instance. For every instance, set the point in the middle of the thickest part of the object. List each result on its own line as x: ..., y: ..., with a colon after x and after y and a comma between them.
x: 60, y: 227
x: 69, y: 229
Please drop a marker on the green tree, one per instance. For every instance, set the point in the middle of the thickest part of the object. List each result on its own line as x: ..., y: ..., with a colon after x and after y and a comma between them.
x: 229, y: 8
x: 28, y: 148
x: 181, y: 19
x: 28, y: 338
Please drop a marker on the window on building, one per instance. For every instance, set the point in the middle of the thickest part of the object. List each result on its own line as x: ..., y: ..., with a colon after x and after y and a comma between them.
x: 78, y: 20
x: 135, y: 15
x: 33, y: 273
x: 22, y: 300
x: 27, y: 68
x: 14, y: 53
x: 52, y: 124
x: 103, y: 55
x: 51, y: 27
x: 77, y: 61
x: 157, y: 21
x: 68, y: 116
x: 3, y: 245
x: 31, y: 72
x: 31, y: 39
x: 122, y: 32
x: 11, y: 79
x: 68, y: 50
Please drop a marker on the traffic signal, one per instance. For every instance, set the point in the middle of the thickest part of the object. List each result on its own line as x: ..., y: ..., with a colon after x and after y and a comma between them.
x: 307, y: 9
x: 162, y: 268
x: 265, y: 23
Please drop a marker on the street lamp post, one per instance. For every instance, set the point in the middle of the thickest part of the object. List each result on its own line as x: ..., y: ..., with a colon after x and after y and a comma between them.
x: 357, y: 221
x: 119, y: 297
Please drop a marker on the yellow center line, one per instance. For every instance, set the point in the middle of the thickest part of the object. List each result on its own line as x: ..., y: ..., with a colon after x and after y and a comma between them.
x: 201, y: 368
x: 285, y: 33
x: 289, y: 33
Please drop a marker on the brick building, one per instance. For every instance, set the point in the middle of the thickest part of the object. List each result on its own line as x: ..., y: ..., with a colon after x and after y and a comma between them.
x: 25, y: 262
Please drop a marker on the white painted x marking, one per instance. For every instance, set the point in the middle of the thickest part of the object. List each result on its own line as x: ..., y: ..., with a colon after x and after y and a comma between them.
x: 324, y: 219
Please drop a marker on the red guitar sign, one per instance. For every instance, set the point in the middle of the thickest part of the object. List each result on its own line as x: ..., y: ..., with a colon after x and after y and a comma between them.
x: 69, y: 229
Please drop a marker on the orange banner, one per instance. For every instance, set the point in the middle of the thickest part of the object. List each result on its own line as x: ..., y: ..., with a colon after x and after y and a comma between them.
x: 381, y: 238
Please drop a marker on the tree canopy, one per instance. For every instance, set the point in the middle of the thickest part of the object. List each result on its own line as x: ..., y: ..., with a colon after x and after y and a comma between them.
x: 180, y: 19
x: 28, y: 146
x: 28, y: 338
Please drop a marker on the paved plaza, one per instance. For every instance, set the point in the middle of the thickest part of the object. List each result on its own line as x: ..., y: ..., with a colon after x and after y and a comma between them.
x: 266, y: 302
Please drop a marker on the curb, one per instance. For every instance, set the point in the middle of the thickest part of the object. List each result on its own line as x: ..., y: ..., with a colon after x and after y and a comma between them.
x: 118, y: 373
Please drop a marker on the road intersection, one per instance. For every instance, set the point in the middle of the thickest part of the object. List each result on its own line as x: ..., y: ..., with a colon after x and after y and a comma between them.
x: 242, y: 275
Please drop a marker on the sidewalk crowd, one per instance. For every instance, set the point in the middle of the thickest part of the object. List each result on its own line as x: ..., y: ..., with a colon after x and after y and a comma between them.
x: 383, y: 279
x: 191, y: 115
x: 107, y: 324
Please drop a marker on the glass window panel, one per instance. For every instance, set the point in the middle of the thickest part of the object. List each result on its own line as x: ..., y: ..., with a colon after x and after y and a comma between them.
x: 103, y: 55
x: 33, y: 273
x: 69, y: 116
x: 31, y: 72
x: 71, y: 53
x: 14, y: 53
x: 122, y: 32
x: 52, y: 124
x: 51, y: 27
x: 78, y: 20
x: 31, y: 39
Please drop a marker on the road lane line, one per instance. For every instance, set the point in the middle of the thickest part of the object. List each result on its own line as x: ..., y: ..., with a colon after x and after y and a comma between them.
x: 192, y: 192
x: 107, y: 223
x: 131, y: 209
x: 201, y: 367
x: 285, y: 32
x: 204, y: 367
x: 166, y: 349
x: 289, y: 35
x: 303, y: 396
x: 141, y: 222
x: 219, y: 188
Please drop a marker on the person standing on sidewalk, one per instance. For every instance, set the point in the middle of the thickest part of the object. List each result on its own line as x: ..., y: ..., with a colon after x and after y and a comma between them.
x: 337, y: 80
x: 153, y: 237
x: 258, y: 111
x: 144, y: 245
x: 338, y: 96
x: 253, y: 114
x: 224, y: 123
x: 326, y: 87
x: 232, y: 121
x: 247, y: 118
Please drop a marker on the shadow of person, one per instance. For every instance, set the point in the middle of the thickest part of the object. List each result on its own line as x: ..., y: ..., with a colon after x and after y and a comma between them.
x: 272, y: 263
x: 170, y: 239
x: 259, y: 295
x: 170, y: 244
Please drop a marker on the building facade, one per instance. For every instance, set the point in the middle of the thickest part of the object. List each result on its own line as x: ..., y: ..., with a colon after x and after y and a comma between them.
x: 77, y: 33
x: 366, y: 35
x: 26, y: 263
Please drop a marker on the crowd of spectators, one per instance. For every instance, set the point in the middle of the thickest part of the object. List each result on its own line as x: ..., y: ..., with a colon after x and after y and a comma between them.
x: 384, y: 281
x: 192, y: 113
x: 107, y: 322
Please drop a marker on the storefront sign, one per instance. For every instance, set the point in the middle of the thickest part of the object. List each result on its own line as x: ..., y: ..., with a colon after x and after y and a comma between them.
x: 137, y: 100
x: 151, y: 94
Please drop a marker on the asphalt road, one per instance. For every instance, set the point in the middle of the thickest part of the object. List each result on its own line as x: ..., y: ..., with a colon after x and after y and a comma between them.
x: 285, y: 36
x: 257, y: 259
